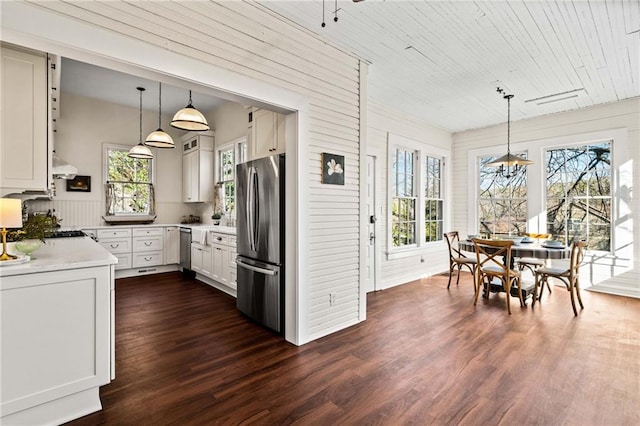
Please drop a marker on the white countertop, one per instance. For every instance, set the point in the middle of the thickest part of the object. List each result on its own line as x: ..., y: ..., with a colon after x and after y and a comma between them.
x: 207, y: 226
x: 61, y: 254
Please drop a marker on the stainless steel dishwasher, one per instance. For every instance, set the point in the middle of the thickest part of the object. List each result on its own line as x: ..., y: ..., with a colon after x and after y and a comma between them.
x: 185, y: 250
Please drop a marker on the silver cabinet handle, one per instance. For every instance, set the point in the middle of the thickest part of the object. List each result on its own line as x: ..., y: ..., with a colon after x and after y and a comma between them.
x: 116, y: 246
x: 255, y: 268
x: 148, y: 243
x: 148, y: 258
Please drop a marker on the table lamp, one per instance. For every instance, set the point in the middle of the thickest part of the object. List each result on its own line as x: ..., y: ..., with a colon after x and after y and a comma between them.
x: 10, y: 217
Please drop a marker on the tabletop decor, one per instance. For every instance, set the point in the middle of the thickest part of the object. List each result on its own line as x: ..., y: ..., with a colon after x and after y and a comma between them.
x: 10, y: 217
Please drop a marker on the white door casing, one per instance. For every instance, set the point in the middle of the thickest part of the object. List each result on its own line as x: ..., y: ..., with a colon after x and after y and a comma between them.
x: 370, y: 252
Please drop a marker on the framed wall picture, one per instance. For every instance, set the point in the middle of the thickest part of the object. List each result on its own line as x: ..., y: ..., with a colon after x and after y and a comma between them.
x: 332, y: 169
x: 79, y: 183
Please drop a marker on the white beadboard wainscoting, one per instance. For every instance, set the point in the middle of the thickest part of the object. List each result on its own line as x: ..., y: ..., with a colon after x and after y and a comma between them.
x: 76, y: 214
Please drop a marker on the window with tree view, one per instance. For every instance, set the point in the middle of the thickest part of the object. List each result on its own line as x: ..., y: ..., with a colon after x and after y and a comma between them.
x: 129, y: 185
x: 579, y: 194
x: 502, y: 203
x: 227, y: 178
x: 433, y: 215
x: 403, y: 203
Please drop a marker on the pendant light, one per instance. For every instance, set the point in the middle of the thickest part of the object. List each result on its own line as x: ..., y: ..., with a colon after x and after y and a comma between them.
x: 159, y: 138
x: 509, y: 164
x: 189, y: 118
x: 140, y: 151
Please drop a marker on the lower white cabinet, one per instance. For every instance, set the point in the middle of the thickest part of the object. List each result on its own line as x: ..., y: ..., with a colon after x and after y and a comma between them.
x: 141, y: 249
x: 220, y: 271
x: 171, y: 245
x: 201, y: 260
x: 57, y: 347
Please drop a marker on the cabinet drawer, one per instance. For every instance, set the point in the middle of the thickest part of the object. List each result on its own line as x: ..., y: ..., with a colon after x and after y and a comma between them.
x: 216, y: 238
x: 152, y: 258
x: 114, y: 233
x: 116, y: 245
x: 147, y: 244
x: 147, y: 232
x: 124, y: 261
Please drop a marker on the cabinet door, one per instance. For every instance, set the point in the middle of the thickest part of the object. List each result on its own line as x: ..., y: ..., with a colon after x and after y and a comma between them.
x: 190, y: 177
x: 196, y: 258
x: 207, y: 261
x: 220, y: 270
x: 172, y: 245
x: 23, y: 123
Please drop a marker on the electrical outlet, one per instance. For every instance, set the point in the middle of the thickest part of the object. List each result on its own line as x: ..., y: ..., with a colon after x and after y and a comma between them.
x: 421, y: 259
x: 332, y: 299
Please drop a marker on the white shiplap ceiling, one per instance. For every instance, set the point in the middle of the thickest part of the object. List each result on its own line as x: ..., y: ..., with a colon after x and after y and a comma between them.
x: 441, y: 61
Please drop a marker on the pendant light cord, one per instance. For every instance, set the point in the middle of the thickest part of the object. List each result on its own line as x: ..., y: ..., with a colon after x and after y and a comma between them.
x: 509, y: 123
x: 140, y: 89
x: 159, y: 105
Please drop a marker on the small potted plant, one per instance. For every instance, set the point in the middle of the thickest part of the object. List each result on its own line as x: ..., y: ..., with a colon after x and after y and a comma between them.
x: 216, y: 218
x: 31, y: 236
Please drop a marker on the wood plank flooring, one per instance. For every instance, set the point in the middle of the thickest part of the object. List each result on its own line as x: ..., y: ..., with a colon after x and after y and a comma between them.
x: 425, y: 355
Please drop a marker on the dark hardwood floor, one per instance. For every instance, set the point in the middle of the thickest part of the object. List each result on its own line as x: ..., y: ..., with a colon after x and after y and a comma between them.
x: 425, y: 355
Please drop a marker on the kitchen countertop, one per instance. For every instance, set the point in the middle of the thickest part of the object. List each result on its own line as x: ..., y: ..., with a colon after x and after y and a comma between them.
x: 208, y: 226
x: 61, y: 254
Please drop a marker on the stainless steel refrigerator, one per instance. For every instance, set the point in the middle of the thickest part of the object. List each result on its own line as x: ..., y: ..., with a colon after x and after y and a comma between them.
x: 260, y: 240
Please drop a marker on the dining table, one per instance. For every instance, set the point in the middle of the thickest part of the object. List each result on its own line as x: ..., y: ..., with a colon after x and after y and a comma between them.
x: 535, y: 248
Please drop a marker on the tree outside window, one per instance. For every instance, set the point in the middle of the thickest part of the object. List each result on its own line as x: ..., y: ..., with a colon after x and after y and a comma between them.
x: 502, y: 202
x: 403, y: 207
x: 227, y: 179
x: 433, y: 217
x: 579, y: 194
x: 129, y: 185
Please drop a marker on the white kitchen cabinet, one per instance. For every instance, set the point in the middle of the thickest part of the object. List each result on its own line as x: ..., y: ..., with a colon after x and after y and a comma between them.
x: 171, y: 245
x: 57, y: 343
x: 118, y: 242
x: 223, y: 254
x: 147, y: 247
x: 266, y: 133
x: 24, y: 144
x: 201, y: 260
x: 197, y: 167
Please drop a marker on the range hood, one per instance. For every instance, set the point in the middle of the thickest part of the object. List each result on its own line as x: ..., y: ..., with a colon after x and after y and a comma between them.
x: 62, y: 169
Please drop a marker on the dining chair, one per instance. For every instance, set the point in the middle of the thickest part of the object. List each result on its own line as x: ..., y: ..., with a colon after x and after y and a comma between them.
x: 532, y: 263
x: 494, y: 262
x: 569, y: 276
x: 456, y: 258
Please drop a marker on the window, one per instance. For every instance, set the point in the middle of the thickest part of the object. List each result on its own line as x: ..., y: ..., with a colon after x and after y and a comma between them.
x: 129, y: 183
x: 403, y: 207
x: 416, y: 196
x: 228, y: 156
x: 433, y: 215
x: 502, y: 202
x: 579, y: 194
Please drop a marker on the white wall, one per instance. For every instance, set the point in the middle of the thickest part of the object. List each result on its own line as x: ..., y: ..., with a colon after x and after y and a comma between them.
x: 383, y: 121
x: 619, y: 121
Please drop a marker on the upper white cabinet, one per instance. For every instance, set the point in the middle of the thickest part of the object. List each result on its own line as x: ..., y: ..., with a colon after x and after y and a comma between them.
x: 197, y: 167
x: 24, y: 101
x: 266, y: 133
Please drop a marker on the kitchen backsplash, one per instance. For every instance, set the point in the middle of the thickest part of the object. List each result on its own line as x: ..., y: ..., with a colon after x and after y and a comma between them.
x: 89, y: 213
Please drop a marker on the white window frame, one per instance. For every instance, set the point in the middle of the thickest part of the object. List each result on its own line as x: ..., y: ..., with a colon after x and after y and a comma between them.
x: 422, y: 150
x: 240, y: 153
x: 536, y: 176
x: 105, y: 171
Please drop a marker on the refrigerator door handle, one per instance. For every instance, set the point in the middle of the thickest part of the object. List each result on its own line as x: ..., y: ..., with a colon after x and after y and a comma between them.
x: 255, y: 268
x: 251, y: 209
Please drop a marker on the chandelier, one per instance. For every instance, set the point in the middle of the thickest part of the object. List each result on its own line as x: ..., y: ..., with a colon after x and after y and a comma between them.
x: 509, y: 164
